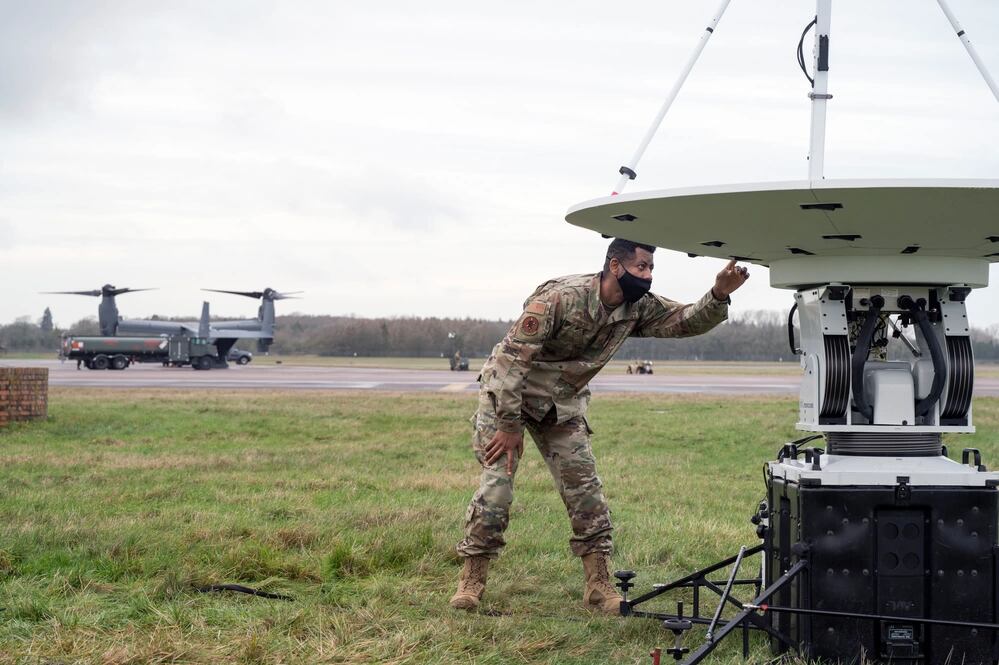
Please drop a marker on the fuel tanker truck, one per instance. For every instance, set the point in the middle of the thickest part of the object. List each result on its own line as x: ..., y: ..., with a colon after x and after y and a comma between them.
x: 120, y: 352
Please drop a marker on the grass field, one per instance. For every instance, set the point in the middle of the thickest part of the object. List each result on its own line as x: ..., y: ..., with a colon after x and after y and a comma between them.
x: 119, y: 507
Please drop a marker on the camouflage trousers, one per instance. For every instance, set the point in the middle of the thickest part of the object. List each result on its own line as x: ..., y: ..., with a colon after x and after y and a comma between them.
x: 566, y: 450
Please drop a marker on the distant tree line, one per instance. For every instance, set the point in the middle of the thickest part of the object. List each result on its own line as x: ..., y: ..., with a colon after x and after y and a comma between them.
x: 754, y: 335
x: 27, y: 336
x: 409, y: 337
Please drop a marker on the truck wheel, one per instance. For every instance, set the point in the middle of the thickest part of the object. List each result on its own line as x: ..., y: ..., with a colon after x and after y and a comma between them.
x: 119, y: 362
x: 205, y: 362
x: 243, y: 360
x: 100, y: 362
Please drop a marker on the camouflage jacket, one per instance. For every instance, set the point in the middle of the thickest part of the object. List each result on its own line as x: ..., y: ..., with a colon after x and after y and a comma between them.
x: 566, y: 335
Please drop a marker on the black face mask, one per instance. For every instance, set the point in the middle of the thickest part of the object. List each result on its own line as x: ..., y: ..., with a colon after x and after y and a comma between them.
x: 633, y: 287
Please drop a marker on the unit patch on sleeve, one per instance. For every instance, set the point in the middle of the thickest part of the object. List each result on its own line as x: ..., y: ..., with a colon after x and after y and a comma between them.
x: 529, y: 326
x: 534, y: 324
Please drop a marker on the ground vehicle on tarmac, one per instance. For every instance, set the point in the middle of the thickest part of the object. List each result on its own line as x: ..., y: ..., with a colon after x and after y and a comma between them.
x: 458, y: 363
x: 239, y: 356
x: 636, y: 367
x: 120, y: 352
x: 234, y: 355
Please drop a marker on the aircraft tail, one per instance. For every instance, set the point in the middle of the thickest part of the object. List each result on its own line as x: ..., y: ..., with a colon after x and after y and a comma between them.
x: 266, y: 315
x: 204, y: 326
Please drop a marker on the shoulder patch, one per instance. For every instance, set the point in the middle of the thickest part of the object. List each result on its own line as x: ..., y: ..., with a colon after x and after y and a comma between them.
x: 534, y: 324
x: 536, y: 307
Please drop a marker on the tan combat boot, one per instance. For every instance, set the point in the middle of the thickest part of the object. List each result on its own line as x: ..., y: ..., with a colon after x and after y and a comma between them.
x: 600, y: 594
x: 471, y: 584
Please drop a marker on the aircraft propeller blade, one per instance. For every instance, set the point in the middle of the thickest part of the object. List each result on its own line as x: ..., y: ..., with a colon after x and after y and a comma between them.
x: 118, y: 292
x: 107, y: 289
x: 248, y: 294
x: 95, y: 292
x: 266, y: 294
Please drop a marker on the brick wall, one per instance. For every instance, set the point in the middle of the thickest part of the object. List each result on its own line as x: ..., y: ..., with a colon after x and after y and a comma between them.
x: 24, y: 393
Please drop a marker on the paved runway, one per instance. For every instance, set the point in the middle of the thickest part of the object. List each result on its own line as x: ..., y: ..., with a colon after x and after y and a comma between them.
x: 292, y: 377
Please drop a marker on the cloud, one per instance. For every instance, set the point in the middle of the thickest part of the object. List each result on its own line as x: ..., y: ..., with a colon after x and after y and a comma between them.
x: 54, y: 53
x: 404, y: 202
x: 38, y: 70
x: 7, y: 237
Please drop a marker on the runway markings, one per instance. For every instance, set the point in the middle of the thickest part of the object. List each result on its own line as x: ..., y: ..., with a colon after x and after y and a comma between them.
x: 454, y: 388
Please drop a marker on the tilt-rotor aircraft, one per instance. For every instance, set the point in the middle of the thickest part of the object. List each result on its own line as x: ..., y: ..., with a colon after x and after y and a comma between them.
x: 223, y: 333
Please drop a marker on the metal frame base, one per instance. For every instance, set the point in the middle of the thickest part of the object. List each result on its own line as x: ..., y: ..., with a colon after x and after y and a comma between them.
x: 755, y: 615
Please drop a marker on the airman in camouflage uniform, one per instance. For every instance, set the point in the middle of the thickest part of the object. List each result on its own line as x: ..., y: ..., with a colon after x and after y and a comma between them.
x: 537, y: 379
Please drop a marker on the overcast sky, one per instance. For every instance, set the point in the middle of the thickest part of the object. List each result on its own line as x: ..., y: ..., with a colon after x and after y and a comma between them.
x: 402, y: 158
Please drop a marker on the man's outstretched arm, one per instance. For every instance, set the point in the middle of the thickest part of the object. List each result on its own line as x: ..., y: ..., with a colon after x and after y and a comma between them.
x: 666, y: 318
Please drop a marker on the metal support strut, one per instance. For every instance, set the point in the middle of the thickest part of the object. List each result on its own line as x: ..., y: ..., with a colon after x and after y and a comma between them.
x: 740, y: 618
x: 978, y: 625
x: 963, y: 36
x: 820, y: 91
x: 628, y: 170
x: 728, y: 590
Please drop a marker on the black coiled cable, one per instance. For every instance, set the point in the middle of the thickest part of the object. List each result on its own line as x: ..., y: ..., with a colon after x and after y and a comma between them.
x: 863, y: 348
x: 924, y: 405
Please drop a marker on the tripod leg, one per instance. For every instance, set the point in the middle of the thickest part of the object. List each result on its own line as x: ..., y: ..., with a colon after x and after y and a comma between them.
x: 963, y: 36
x: 628, y: 171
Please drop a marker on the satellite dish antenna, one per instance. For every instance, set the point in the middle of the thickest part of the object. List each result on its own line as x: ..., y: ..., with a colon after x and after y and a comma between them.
x: 872, y: 525
x: 815, y: 231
